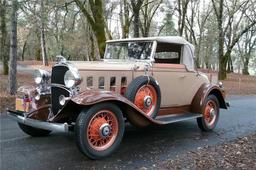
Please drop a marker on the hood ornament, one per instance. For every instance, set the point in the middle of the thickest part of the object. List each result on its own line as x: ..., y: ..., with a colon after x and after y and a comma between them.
x: 61, y: 59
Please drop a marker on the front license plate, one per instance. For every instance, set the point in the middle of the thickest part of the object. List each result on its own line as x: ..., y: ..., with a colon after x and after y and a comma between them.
x: 21, y: 105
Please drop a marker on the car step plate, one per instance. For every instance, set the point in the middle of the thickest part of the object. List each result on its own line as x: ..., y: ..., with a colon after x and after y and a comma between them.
x: 177, y: 117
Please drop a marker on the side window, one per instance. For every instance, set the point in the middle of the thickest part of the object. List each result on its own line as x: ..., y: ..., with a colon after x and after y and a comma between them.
x: 89, y: 82
x: 123, y: 85
x: 112, y: 83
x: 101, y: 82
x: 168, y: 53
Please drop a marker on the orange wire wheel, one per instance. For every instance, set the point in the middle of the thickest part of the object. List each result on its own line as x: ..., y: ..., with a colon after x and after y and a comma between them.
x: 146, y: 99
x: 99, y: 130
x: 145, y: 93
x: 210, y: 112
x: 102, y: 130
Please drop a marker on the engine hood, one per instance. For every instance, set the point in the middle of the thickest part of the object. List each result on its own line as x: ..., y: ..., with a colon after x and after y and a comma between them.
x: 109, y: 65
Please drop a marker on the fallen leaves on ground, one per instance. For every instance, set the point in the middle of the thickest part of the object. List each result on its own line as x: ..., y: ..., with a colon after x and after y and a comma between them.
x: 238, y: 154
x: 240, y: 84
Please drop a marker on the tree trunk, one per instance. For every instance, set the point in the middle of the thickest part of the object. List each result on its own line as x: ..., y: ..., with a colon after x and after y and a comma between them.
x: 42, y: 35
x: 246, y: 67
x: 136, y: 6
x: 38, y: 53
x: 23, y: 50
x: 230, y: 65
x: 222, y: 67
x: 222, y: 58
x: 96, y: 21
x: 136, y: 23
x: 13, y: 50
x: 4, y: 46
x: 124, y: 18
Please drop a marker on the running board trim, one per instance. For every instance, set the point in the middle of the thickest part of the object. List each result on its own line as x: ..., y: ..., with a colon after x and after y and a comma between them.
x: 177, y: 118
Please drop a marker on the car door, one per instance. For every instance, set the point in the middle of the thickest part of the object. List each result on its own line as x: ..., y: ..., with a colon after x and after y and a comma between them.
x: 170, y: 79
x: 178, y: 84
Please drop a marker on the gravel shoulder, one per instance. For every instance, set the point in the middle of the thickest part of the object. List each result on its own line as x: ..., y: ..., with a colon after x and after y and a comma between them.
x: 237, y: 154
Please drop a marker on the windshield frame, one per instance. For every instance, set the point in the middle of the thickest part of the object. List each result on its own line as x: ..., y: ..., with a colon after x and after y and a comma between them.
x: 151, y: 57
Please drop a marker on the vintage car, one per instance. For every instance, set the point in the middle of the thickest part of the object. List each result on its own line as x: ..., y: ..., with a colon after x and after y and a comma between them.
x: 143, y: 81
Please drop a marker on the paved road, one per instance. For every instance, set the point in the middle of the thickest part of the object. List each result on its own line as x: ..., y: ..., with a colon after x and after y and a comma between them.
x: 140, y: 147
x: 22, y: 68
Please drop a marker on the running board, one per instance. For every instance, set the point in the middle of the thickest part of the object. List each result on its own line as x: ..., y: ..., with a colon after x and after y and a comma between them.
x: 177, y: 118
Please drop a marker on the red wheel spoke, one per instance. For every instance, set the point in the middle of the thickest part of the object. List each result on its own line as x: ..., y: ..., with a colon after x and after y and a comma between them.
x: 94, y: 137
x: 142, y: 93
x: 209, y: 118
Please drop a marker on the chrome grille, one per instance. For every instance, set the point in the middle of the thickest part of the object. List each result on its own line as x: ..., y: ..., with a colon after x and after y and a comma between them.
x: 57, y: 77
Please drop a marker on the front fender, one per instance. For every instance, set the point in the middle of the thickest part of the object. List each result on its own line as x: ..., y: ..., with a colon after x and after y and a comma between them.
x: 201, y: 95
x: 130, y: 111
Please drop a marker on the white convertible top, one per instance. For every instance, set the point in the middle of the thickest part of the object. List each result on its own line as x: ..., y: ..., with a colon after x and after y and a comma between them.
x: 166, y: 39
x: 187, y: 51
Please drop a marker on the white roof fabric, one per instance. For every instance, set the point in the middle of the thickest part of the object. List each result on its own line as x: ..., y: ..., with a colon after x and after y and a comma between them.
x: 167, y: 39
x: 187, y: 57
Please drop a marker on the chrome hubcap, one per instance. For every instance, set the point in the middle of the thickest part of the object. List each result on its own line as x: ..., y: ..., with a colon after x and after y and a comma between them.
x: 212, y: 113
x: 147, y: 101
x: 105, y: 130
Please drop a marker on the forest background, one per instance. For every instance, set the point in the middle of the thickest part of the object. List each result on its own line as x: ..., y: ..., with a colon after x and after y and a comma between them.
x: 222, y: 31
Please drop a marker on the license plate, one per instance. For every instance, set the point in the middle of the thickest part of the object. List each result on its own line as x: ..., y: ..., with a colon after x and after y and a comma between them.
x: 21, y: 105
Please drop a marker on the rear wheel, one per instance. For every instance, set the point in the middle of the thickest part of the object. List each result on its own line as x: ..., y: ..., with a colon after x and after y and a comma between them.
x: 210, y: 114
x: 35, y: 132
x: 99, y: 130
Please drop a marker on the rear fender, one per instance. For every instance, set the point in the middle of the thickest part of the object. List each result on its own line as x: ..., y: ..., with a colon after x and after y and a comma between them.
x: 204, y: 91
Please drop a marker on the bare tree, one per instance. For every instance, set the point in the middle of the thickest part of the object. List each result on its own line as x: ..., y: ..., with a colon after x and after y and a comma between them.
x: 136, y: 6
x: 13, y: 50
x: 125, y: 18
x: 93, y: 12
x: 196, y: 25
x: 182, y: 6
x: 42, y: 34
x: 246, y: 47
x: 148, y: 11
x: 4, y: 49
x: 230, y: 31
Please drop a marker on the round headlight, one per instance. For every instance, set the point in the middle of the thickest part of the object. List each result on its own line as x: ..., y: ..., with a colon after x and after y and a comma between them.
x: 41, y: 75
x: 72, y: 78
x: 62, y: 100
x: 38, y: 77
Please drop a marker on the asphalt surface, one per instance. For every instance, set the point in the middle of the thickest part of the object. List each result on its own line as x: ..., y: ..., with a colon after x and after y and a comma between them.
x: 139, y: 148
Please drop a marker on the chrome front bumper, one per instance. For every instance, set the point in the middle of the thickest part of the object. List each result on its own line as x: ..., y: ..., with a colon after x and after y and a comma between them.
x: 19, y: 117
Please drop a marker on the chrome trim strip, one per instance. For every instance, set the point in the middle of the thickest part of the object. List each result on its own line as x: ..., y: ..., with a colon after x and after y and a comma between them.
x: 58, y: 127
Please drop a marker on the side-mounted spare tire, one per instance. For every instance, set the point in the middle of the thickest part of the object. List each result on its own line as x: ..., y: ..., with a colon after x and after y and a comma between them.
x: 145, y: 93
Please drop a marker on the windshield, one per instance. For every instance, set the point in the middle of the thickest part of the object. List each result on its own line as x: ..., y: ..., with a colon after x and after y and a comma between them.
x: 129, y: 50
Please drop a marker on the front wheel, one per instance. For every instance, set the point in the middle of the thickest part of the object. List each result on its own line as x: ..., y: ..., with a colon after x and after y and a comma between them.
x: 99, y: 130
x: 210, y: 114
